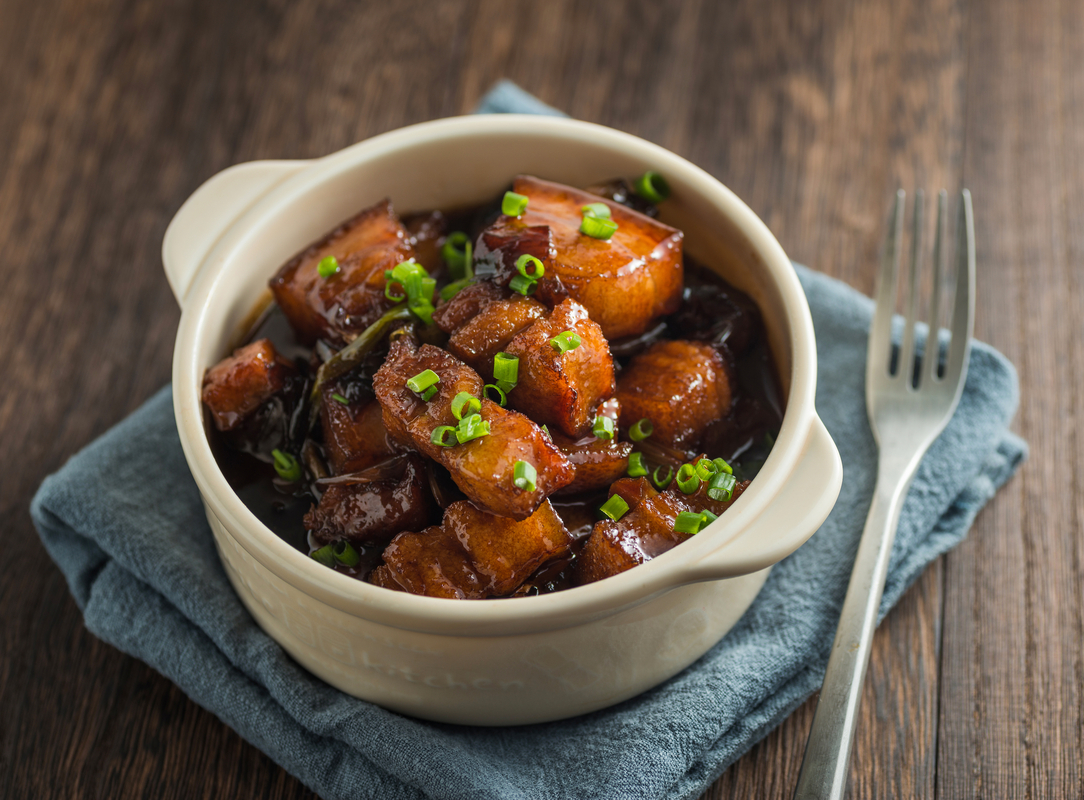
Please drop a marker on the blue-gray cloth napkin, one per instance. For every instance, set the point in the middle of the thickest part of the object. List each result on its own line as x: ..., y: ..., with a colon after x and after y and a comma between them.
x: 124, y: 522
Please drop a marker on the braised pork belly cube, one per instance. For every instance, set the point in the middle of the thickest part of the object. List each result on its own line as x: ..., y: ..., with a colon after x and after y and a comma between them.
x: 646, y: 530
x: 480, y: 338
x: 354, y: 434
x: 238, y: 385
x: 350, y: 300
x: 372, y: 506
x: 473, y: 554
x: 625, y: 281
x: 467, y: 303
x: 483, y: 468
x: 427, y: 232
x: 682, y: 387
x: 562, y: 389
x: 598, y: 462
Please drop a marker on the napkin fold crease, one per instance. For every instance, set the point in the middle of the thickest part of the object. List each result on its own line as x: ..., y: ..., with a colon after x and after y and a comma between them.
x: 124, y: 522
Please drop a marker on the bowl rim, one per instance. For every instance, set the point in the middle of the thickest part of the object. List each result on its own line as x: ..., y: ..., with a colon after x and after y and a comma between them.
x: 498, y: 616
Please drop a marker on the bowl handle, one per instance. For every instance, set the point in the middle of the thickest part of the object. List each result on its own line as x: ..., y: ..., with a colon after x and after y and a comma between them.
x: 813, y: 487
x: 210, y: 211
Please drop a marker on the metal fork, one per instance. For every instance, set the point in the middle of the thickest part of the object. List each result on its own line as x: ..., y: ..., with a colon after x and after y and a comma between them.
x: 908, y: 408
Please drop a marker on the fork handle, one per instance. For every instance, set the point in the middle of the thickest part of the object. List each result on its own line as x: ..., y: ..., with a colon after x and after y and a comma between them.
x: 828, y: 750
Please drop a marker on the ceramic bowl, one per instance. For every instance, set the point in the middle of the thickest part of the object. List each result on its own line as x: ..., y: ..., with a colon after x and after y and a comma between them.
x: 491, y: 662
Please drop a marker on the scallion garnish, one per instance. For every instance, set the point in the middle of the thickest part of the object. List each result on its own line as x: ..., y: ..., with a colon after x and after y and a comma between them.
x: 662, y: 479
x: 599, y: 210
x: 422, y: 309
x: 423, y: 380
x: 546, y: 431
x: 428, y: 286
x: 637, y: 467
x: 524, y: 476
x: 506, y: 369
x: 464, y: 404
x: 427, y: 395
x: 530, y: 267
x: 327, y: 267
x: 471, y: 427
x: 652, y: 187
x: 614, y: 508
x: 687, y: 480
x: 603, y: 427
x: 345, y: 554
x: 705, y: 468
x: 722, y: 466
x: 721, y: 487
x: 641, y: 430
x: 498, y: 395
x: 456, y: 252
x: 598, y: 228
x: 338, y: 398
x: 390, y: 293
x: 443, y: 436
x: 513, y: 204
x: 325, y: 555
x: 693, y: 521
x: 563, y: 342
x: 525, y: 286
x: 452, y: 289
x: 286, y: 466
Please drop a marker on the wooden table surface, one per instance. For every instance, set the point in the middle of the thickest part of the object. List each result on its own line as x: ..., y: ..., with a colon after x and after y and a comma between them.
x: 113, y: 111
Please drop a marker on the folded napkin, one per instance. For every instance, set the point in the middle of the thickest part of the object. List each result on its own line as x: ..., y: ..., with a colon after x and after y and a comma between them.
x: 124, y: 522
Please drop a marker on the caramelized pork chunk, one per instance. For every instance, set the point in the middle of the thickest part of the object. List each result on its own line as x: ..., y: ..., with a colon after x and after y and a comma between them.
x: 598, y: 462
x: 350, y: 300
x: 480, y: 338
x: 680, y: 386
x: 473, y: 554
x: 483, y: 468
x: 238, y: 385
x: 354, y: 434
x: 625, y: 281
x: 645, y: 531
x: 371, y: 506
x: 467, y: 303
x: 562, y: 389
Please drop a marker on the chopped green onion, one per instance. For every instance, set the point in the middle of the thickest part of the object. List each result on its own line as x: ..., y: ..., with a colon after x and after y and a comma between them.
x: 345, y: 554
x: 637, y: 467
x: 641, y: 430
x: 443, y: 436
x: 597, y: 210
x: 686, y: 479
x: 513, y: 204
x: 427, y: 395
x: 652, y: 187
x: 705, y: 468
x: 524, y: 475
x: 423, y: 380
x: 501, y: 397
x: 722, y: 466
x: 327, y: 267
x: 663, y: 480
x: 506, y: 369
x: 429, y: 285
x: 338, y: 398
x: 598, y: 228
x: 452, y: 289
x: 604, y: 427
x: 693, y: 521
x: 563, y: 342
x: 464, y: 404
x: 546, y: 431
x: 389, y: 292
x: 525, y: 286
x: 325, y: 555
x: 286, y: 466
x: 530, y: 267
x: 456, y: 252
x: 614, y: 508
x: 471, y: 427
x: 422, y: 309
x: 721, y: 487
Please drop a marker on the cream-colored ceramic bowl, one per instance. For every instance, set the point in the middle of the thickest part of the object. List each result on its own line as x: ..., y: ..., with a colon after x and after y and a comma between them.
x: 491, y: 662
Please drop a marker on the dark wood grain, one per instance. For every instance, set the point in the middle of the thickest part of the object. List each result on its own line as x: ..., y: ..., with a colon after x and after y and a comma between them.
x: 113, y: 111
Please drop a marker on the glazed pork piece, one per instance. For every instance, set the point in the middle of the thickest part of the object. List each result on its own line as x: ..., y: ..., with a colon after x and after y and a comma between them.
x: 354, y: 434
x: 483, y: 467
x: 682, y: 387
x: 625, y: 281
x: 238, y: 385
x: 489, y: 332
x: 350, y: 300
x: 372, y: 506
x: 645, y: 531
x: 472, y: 554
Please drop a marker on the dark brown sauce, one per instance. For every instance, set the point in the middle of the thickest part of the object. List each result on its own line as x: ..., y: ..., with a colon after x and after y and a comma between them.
x: 712, y: 311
